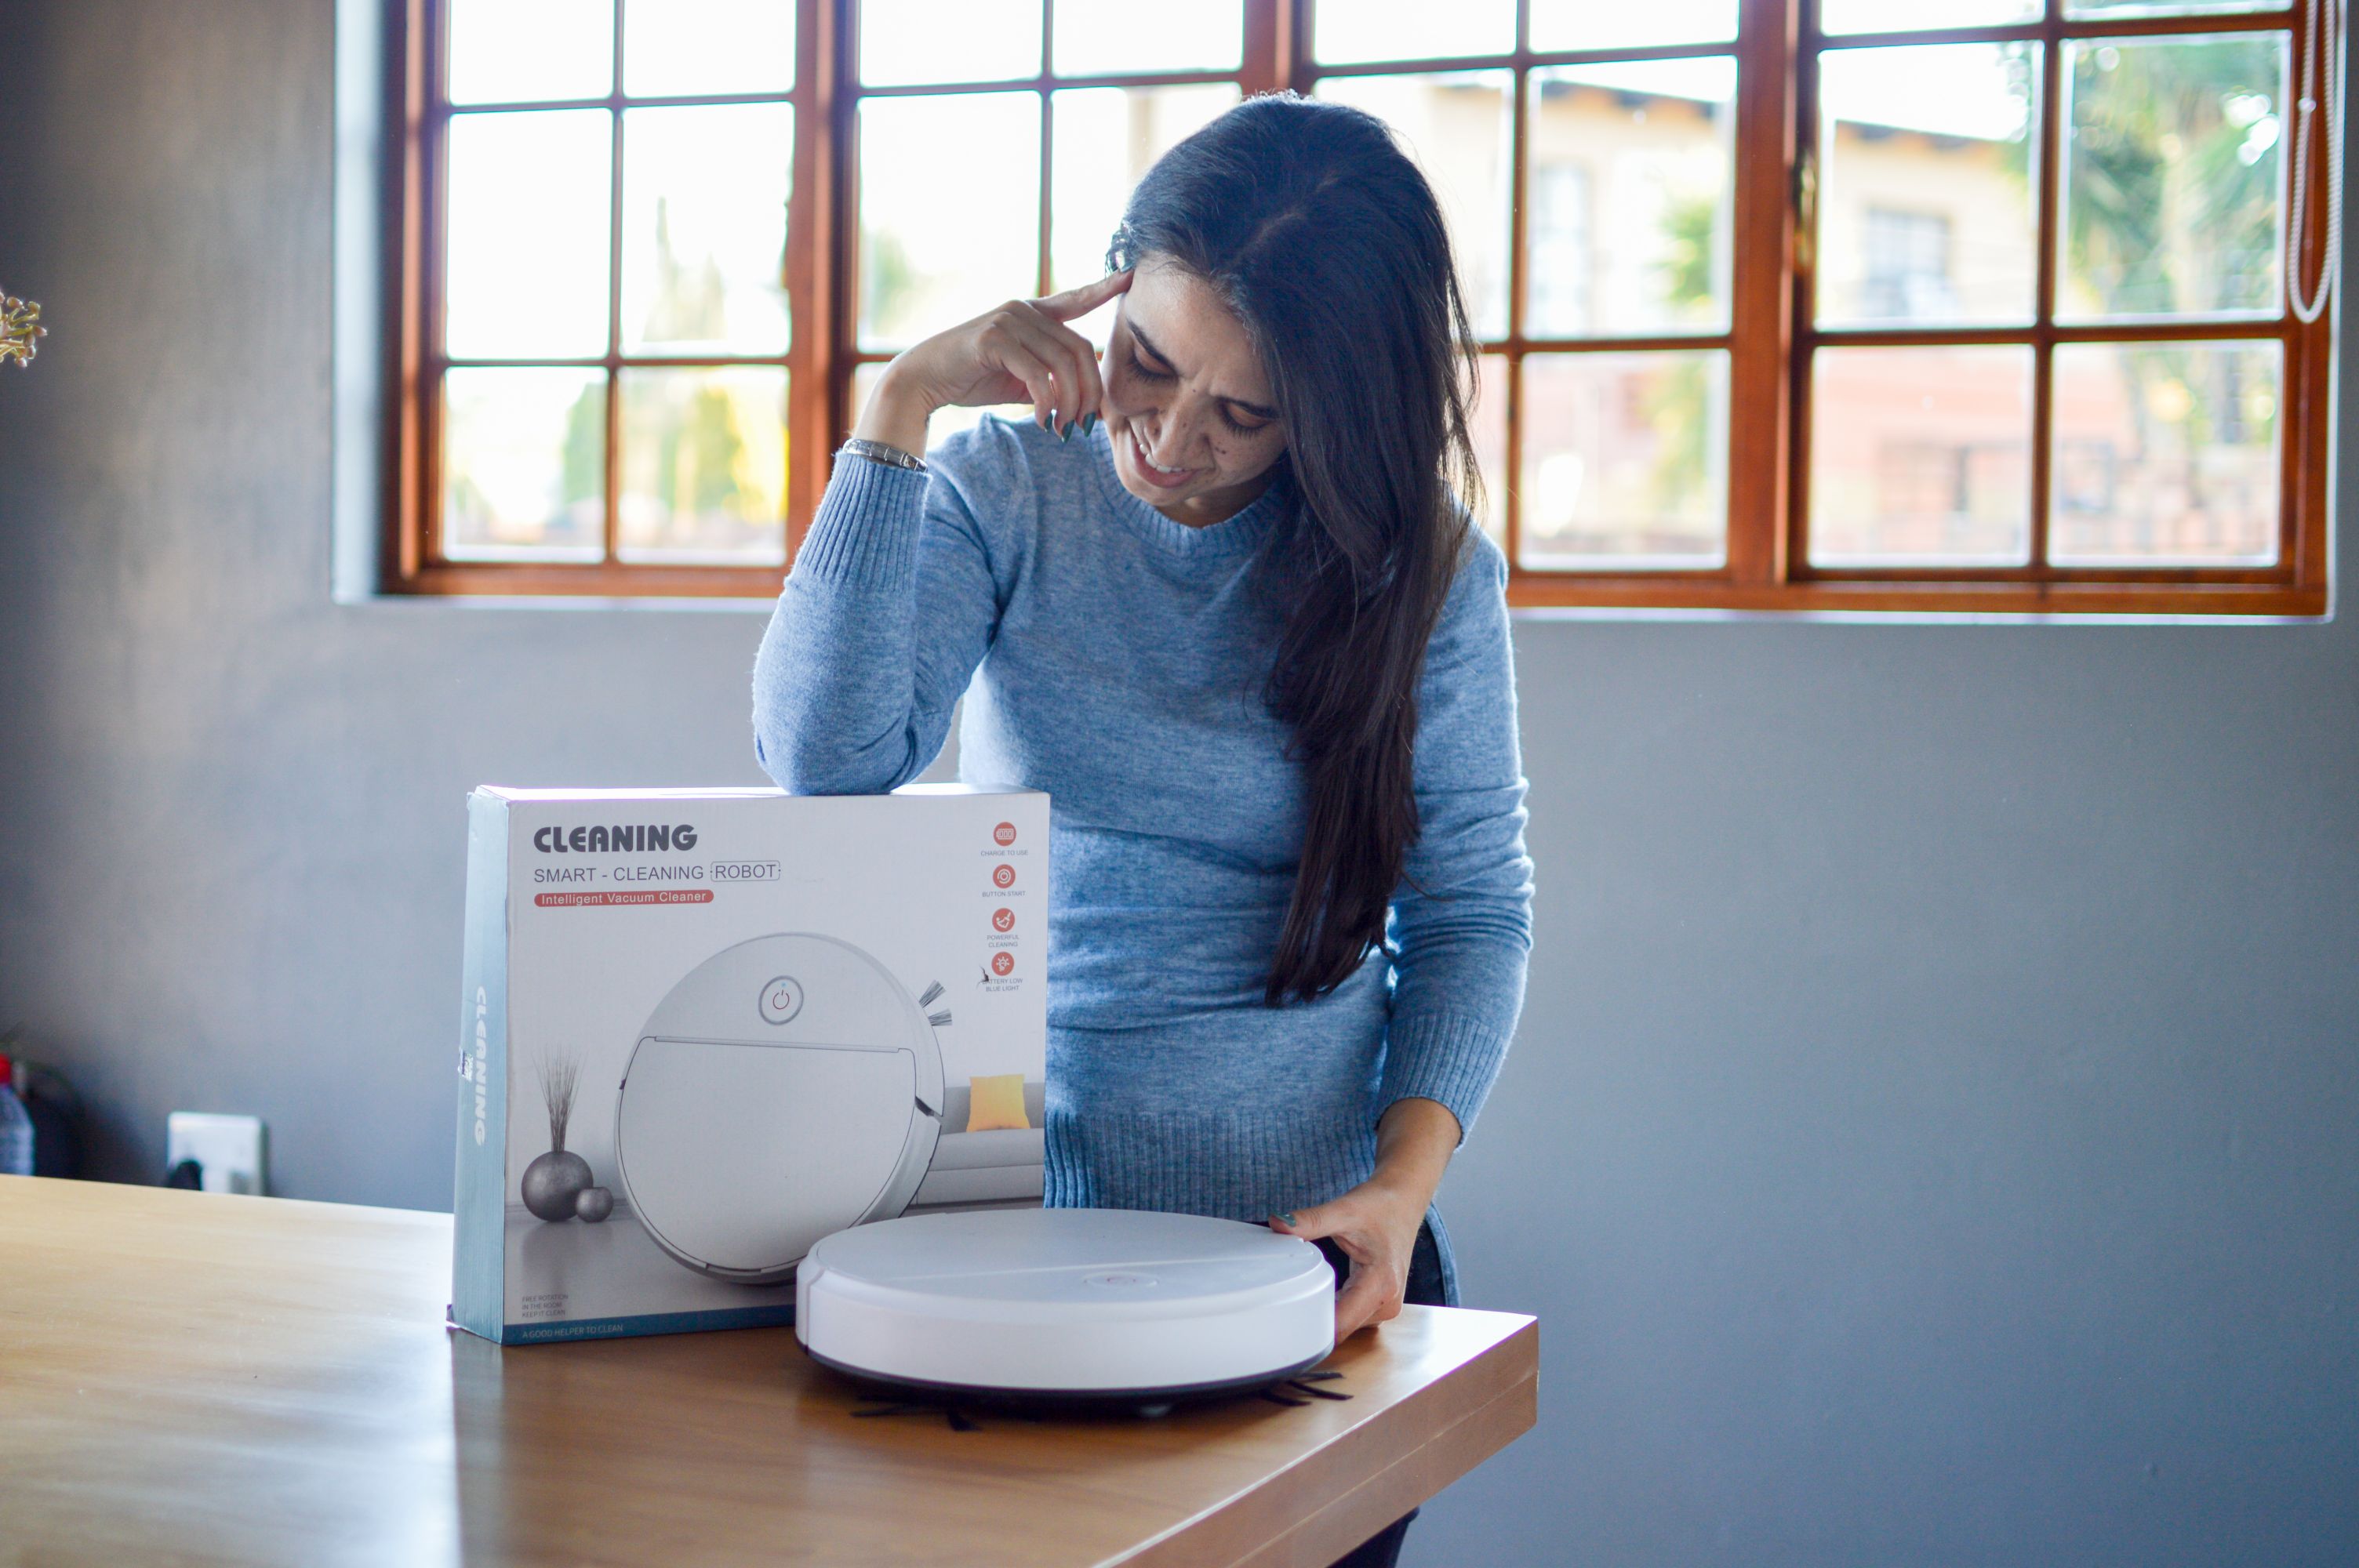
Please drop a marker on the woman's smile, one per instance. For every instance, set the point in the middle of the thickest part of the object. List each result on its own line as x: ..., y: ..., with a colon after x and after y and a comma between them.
x: 1168, y: 479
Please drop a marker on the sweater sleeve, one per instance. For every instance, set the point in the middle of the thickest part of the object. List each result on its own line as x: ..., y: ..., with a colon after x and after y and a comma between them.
x: 889, y: 608
x: 1461, y: 916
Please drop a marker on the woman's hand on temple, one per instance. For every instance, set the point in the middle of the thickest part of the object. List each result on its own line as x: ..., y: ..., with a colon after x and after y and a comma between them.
x: 1376, y: 1222
x: 1021, y: 352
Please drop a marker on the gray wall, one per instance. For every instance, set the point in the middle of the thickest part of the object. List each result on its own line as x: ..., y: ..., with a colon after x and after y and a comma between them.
x: 1931, y: 1138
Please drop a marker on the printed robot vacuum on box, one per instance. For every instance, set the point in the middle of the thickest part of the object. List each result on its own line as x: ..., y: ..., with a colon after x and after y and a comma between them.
x: 785, y: 1089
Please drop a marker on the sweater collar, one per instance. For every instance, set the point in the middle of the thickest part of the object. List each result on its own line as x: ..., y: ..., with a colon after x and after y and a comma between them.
x: 1232, y: 535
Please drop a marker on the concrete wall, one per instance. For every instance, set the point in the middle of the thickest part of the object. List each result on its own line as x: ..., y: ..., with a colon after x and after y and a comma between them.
x: 1931, y: 1139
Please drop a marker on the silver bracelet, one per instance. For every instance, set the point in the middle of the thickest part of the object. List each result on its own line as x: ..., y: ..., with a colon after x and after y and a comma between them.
x: 878, y: 452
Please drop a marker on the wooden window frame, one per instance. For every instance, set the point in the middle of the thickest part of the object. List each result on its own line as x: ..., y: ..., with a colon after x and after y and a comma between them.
x: 1769, y: 339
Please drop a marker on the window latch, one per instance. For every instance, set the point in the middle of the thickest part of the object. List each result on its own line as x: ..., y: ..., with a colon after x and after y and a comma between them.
x: 1806, y: 204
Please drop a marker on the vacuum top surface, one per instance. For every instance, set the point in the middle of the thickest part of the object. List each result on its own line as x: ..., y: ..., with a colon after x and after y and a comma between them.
x: 1079, y: 1262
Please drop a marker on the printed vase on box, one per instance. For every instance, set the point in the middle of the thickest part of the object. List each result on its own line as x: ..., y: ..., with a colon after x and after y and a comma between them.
x: 554, y: 1183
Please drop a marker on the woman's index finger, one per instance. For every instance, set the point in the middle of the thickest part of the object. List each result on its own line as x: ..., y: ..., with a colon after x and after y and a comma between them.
x: 1081, y: 301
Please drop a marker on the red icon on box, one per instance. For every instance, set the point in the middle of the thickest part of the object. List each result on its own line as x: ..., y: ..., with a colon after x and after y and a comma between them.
x: 1003, y: 876
x: 1004, y: 834
x: 1001, y: 963
x: 1003, y: 920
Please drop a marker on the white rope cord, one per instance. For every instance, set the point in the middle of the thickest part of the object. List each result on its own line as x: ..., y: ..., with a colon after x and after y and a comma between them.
x: 2309, y: 310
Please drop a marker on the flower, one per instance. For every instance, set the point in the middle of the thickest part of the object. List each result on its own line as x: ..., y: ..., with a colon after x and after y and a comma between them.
x: 20, y: 329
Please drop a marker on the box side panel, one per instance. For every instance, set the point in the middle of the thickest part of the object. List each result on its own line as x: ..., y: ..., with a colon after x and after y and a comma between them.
x: 478, y: 1246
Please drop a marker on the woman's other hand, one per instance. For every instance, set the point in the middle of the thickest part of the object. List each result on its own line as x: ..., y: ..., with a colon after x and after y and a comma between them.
x: 1021, y: 352
x: 1376, y: 1222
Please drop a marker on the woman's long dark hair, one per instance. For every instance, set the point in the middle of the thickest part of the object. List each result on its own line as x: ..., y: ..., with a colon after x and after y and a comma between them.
x: 1323, y: 238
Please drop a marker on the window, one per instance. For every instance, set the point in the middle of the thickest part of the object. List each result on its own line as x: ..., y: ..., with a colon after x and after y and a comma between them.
x: 1974, y: 305
x: 1908, y: 265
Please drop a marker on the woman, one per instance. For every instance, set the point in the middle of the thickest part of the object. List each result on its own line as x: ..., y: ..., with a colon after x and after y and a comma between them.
x: 1218, y: 601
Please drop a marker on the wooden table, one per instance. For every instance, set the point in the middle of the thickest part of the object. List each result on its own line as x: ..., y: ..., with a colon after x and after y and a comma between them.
x: 194, y: 1377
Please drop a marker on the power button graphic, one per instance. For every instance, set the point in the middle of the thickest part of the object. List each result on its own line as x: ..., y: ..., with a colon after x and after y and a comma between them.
x: 781, y: 999
x: 1121, y: 1282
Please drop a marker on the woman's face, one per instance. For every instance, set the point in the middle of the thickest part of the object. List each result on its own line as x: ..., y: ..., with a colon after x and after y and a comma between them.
x: 1195, y: 429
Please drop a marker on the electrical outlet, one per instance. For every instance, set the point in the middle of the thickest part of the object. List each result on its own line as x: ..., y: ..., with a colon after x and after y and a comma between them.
x: 228, y: 1149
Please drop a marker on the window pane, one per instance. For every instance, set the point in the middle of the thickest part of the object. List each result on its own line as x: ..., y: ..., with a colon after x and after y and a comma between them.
x: 2163, y: 7
x: 524, y: 456
x: 1107, y: 139
x: 1929, y: 210
x: 1625, y: 460
x: 946, y: 421
x: 1885, y: 17
x: 704, y: 466
x: 1628, y: 215
x: 1920, y: 456
x: 2170, y: 190
x: 1098, y: 37
x: 707, y: 47
x: 520, y: 51
x: 1587, y: 25
x: 905, y: 41
x: 526, y: 266
x: 936, y: 249
x: 1412, y: 30
x: 2166, y: 453
x: 1459, y: 127
x: 1488, y: 427
x: 704, y: 228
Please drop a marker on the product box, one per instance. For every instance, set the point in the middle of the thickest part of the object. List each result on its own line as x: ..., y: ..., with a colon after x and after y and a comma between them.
x: 702, y: 1029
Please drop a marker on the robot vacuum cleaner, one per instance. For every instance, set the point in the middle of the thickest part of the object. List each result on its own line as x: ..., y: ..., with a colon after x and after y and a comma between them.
x: 1066, y: 1306
x: 788, y: 1087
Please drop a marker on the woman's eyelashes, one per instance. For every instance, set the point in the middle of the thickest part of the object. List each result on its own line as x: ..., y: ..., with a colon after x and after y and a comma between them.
x: 1144, y: 371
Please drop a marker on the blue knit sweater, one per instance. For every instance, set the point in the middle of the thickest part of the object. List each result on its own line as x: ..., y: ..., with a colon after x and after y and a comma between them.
x: 1116, y: 659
